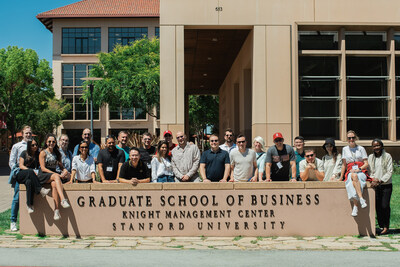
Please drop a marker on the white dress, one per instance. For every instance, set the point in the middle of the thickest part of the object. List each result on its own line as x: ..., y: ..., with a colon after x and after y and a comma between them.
x: 356, y: 154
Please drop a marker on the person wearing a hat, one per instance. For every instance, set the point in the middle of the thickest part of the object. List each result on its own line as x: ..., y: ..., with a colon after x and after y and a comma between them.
x: 280, y: 161
x: 332, y: 161
x: 168, y: 138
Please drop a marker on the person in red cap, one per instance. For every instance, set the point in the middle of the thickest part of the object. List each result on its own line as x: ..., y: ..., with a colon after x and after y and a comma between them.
x: 280, y: 161
x: 168, y: 137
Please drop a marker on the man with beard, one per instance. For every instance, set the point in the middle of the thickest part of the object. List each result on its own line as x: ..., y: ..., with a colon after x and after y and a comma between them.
x: 229, y: 144
x: 110, y: 161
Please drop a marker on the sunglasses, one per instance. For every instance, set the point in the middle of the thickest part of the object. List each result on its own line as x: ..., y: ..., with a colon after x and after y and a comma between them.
x: 278, y: 140
x: 213, y: 141
x: 51, y: 142
x: 84, y: 147
x: 310, y: 156
x: 351, y: 137
x: 167, y: 135
x: 241, y: 142
x: 179, y: 137
x: 33, y: 145
x: 229, y: 135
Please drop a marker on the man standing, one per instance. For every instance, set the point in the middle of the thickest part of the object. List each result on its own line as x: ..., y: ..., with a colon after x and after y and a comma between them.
x: 185, y: 160
x: 214, y: 163
x: 66, y: 158
x: 280, y: 160
x: 168, y: 137
x: 311, y: 169
x: 147, y: 151
x: 299, y: 145
x: 110, y: 161
x: 243, y: 162
x: 13, y: 162
x: 135, y: 170
x: 93, y: 148
x: 229, y: 143
x: 122, y: 143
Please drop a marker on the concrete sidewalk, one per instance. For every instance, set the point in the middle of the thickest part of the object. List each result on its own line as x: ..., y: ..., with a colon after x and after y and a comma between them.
x: 347, y: 243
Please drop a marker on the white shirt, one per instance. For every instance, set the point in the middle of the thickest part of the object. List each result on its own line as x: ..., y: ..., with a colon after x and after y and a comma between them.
x: 16, y: 151
x: 159, y: 169
x: 332, y: 167
x: 227, y: 148
x: 356, y: 154
x: 84, y: 169
x: 312, y: 176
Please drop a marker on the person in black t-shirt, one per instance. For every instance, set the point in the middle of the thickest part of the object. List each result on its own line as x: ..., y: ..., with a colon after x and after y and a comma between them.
x: 134, y: 171
x: 110, y: 161
x: 147, y: 151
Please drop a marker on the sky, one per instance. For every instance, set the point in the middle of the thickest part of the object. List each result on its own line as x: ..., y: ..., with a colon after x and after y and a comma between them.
x: 20, y: 27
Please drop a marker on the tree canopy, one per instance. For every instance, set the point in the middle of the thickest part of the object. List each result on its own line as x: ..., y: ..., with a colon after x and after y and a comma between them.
x: 26, y: 89
x: 131, y: 76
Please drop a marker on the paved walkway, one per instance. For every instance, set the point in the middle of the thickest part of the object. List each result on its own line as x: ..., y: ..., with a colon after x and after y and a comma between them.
x: 346, y: 243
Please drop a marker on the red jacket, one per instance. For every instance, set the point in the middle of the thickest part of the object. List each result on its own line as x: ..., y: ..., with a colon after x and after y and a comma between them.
x: 350, y: 167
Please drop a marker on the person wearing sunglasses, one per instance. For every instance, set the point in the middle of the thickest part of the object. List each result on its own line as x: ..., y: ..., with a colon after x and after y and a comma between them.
x: 354, y: 171
x: 94, y: 149
x: 243, y: 162
x: 311, y: 168
x: 29, y: 166
x: 185, y: 160
x: 229, y: 144
x: 214, y: 163
x: 168, y: 137
x: 49, y: 159
x: 280, y: 161
x: 83, y: 166
x: 110, y: 161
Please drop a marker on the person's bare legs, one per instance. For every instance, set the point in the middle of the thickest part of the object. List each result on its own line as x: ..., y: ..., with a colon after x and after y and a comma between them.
x: 55, y: 195
x: 58, y: 184
x: 356, y: 184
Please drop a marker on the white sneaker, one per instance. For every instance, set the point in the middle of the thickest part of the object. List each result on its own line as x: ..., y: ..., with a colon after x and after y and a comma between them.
x: 13, y: 227
x: 44, y: 192
x: 65, y: 204
x: 355, y: 211
x: 30, y: 209
x: 57, y: 215
x: 363, y: 203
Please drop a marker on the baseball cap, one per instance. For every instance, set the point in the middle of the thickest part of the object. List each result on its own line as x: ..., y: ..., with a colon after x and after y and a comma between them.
x: 167, y: 132
x: 277, y: 135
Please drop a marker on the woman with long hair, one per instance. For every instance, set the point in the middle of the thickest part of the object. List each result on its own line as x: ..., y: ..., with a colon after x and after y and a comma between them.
x: 381, y: 169
x: 49, y: 159
x: 332, y: 161
x: 354, y: 171
x: 83, y: 166
x: 161, y: 168
x: 29, y: 166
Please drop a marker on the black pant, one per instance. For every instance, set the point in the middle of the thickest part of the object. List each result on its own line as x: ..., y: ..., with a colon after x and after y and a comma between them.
x: 32, y: 184
x: 382, y: 204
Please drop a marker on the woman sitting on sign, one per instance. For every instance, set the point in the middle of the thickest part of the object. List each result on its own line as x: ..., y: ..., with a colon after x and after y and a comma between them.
x: 49, y: 159
x: 29, y: 167
x: 354, y: 171
x: 381, y: 169
x: 83, y: 166
x: 161, y: 168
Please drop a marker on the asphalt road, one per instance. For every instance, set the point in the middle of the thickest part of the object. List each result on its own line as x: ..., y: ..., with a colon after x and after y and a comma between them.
x: 82, y: 257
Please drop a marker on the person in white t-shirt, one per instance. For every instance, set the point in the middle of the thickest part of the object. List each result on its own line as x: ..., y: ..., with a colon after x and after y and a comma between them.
x: 354, y: 171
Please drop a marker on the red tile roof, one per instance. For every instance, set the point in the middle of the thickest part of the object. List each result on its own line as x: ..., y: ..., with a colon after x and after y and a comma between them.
x: 102, y: 9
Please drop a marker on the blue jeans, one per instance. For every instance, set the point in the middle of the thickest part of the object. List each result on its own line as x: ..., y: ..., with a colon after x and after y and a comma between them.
x: 15, y: 204
x: 166, y: 179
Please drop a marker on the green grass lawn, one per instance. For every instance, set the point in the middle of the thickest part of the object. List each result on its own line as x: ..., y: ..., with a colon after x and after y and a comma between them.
x: 394, y: 204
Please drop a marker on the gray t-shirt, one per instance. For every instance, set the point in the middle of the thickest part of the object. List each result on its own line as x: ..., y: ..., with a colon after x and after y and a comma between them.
x: 244, y: 164
x: 280, y: 169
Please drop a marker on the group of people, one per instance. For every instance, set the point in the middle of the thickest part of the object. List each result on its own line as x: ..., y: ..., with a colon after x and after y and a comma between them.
x: 231, y: 161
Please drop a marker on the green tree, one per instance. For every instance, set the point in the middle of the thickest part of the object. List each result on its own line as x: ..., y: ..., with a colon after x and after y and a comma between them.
x: 203, y: 113
x: 131, y: 76
x: 25, y: 88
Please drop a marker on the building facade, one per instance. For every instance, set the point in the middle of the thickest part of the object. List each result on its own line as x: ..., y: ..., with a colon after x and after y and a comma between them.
x: 80, y: 31
x: 315, y: 68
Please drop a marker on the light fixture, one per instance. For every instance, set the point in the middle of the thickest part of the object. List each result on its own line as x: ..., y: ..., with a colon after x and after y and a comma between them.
x: 214, y: 39
x: 209, y: 58
x: 205, y: 74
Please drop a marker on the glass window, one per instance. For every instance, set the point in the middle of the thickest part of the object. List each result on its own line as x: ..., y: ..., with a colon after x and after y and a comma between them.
x: 318, y: 40
x: 124, y: 36
x: 72, y: 91
x: 362, y: 40
x: 127, y: 114
x: 319, y: 97
x: 81, y: 40
x: 157, y: 32
x: 367, y: 95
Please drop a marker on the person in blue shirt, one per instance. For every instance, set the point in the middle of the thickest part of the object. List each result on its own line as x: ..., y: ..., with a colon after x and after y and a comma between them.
x: 93, y: 148
x: 122, y: 144
x: 299, y: 152
x: 214, y: 163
